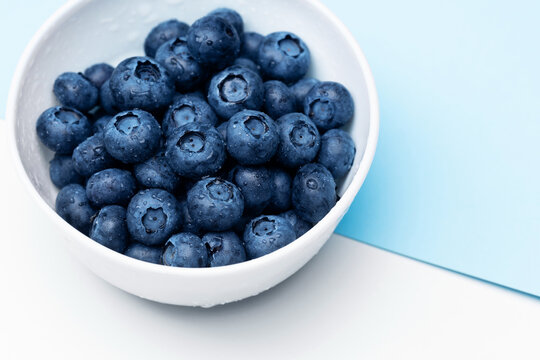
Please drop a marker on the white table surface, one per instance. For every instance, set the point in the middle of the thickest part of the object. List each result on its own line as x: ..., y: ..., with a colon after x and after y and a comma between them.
x: 352, y: 301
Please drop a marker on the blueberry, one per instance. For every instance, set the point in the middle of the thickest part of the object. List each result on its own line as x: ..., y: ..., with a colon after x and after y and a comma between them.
x: 175, y: 57
x: 90, y: 156
x: 235, y: 89
x: 110, y: 186
x: 61, y: 129
x: 153, y: 215
x: 266, y: 234
x: 337, y: 152
x: 247, y: 63
x: 62, y: 171
x: 187, y: 109
x: 299, y: 140
x: 215, y: 204
x: 75, y: 91
x: 252, y: 137
x: 232, y: 17
x: 281, y: 191
x: 256, y: 186
x: 283, y: 56
x: 72, y: 206
x: 156, y: 173
x: 110, y: 229
x: 132, y: 136
x: 329, y: 105
x: 144, y: 253
x: 188, y: 223
x: 195, y: 150
x: 300, y: 89
x: 222, y: 128
x: 106, y: 99
x: 313, y: 192
x: 185, y: 250
x: 163, y: 32
x: 141, y: 83
x: 213, y: 41
x: 224, y: 248
x: 99, y: 73
x: 99, y: 124
x: 251, y: 41
x: 299, y: 225
x: 278, y: 99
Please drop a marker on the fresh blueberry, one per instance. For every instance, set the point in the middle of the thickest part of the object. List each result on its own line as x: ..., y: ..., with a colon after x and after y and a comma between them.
x: 252, y: 137
x: 251, y: 41
x: 132, y: 136
x: 153, y: 215
x: 75, y: 91
x: 235, y: 89
x: 283, y: 56
x: 187, y: 109
x: 247, y: 63
x: 110, y: 229
x: 106, y: 99
x: 281, y: 191
x: 188, y: 223
x: 224, y: 248
x: 62, y: 171
x: 313, y: 192
x: 186, y: 72
x: 144, y: 253
x: 156, y: 173
x: 163, y: 32
x: 110, y: 186
x: 215, y: 204
x: 90, y: 156
x: 61, y: 129
x: 278, y: 99
x: 195, y: 150
x: 99, y: 73
x: 99, y: 124
x: 185, y: 250
x: 72, y: 205
x: 231, y: 16
x: 222, y: 128
x: 329, y: 105
x: 299, y: 225
x: 300, y: 89
x: 256, y: 186
x: 299, y: 140
x: 141, y: 83
x: 266, y: 234
x: 337, y: 152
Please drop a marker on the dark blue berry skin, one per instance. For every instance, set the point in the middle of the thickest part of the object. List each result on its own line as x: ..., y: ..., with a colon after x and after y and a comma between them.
x: 90, y: 156
x: 299, y: 225
x: 109, y: 187
x: 337, y: 152
x: 281, y: 191
x: 188, y: 224
x: 99, y: 73
x: 299, y: 140
x: 187, y: 109
x: 162, y: 33
x: 252, y: 137
x: 329, y: 105
x: 186, y: 72
x: 266, y: 234
x: 109, y: 228
x: 195, y: 150
x: 141, y: 83
x: 300, y: 90
x: 222, y: 128
x: 247, y: 63
x: 153, y: 215
x: 61, y: 129
x: 235, y: 89
x: 75, y: 91
x: 185, y: 250
x: 106, y: 99
x: 132, y: 136
x: 283, y: 56
x: 99, y: 124
x: 62, y: 171
x: 72, y: 205
x: 313, y: 192
x: 255, y: 184
x: 278, y: 99
x: 213, y: 41
x: 144, y: 253
x: 215, y: 204
x: 231, y: 16
x: 251, y: 41
x: 156, y: 173
x: 224, y: 248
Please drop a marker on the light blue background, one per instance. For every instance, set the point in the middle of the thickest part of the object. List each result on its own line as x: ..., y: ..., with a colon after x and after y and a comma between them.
x: 456, y: 175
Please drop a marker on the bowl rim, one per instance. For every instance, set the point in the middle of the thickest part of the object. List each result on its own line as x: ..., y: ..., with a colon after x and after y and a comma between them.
x: 333, y: 216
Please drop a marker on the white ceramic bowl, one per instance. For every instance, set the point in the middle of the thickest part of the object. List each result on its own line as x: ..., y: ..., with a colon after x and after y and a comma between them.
x: 84, y: 32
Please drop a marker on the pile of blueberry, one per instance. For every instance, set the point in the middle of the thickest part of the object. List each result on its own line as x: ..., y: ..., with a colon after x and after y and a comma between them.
x: 185, y: 157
